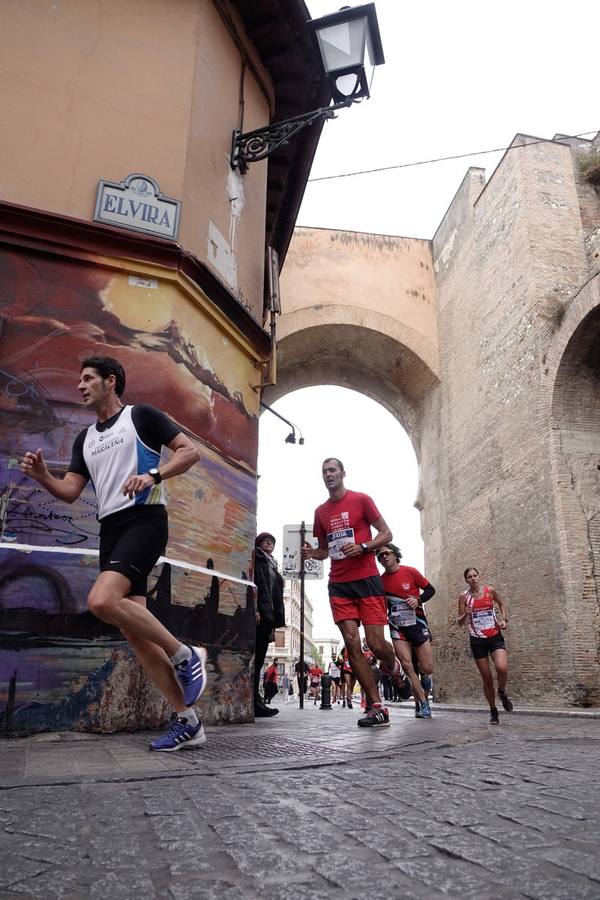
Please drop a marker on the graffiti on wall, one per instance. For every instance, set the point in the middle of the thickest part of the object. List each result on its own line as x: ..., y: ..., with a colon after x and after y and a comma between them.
x: 59, y: 666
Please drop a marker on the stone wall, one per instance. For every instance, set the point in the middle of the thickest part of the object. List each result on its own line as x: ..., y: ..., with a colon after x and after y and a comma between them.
x: 509, y: 259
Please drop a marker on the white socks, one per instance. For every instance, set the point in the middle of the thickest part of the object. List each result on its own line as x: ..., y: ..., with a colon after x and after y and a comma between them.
x: 183, y: 654
x: 189, y: 715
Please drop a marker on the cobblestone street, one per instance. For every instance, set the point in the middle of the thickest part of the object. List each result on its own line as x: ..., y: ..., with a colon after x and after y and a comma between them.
x: 308, y: 806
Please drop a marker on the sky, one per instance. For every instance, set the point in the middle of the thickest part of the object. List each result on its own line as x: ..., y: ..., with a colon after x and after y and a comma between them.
x: 459, y: 77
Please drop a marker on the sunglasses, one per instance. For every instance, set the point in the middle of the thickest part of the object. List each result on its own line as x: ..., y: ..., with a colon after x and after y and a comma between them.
x: 384, y: 553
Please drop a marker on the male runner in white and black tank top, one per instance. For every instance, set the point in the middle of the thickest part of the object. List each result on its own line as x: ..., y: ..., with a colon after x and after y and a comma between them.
x: 121, y: 455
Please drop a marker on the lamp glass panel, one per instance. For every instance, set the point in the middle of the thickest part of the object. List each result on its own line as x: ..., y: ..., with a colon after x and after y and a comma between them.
x: 343, y: 44
x: 369, y: 65
x: 347, y: 84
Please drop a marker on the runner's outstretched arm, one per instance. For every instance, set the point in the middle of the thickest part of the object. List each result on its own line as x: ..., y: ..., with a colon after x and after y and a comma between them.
x: 68, y: 488
x: 320, y: 552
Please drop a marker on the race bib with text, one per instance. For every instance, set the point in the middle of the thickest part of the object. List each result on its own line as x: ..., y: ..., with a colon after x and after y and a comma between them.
x: 338, y: 539
x: 402, y: 616
x: 484, y: 619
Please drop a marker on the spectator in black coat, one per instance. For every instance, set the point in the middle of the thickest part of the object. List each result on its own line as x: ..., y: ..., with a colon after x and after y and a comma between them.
x: 270, y: 613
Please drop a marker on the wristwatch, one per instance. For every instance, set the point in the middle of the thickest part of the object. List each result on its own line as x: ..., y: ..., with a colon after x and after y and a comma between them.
x: 156, y: 475
x: 364, y: 547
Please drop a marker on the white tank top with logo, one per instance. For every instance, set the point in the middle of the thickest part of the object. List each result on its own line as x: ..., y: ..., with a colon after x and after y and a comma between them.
x: 111, y: 457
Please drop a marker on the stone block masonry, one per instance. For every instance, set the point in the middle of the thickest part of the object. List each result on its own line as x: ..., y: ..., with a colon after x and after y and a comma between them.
x: 515, y: 491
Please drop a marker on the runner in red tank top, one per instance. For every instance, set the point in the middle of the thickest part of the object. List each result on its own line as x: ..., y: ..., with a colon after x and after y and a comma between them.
x: 476, y: 606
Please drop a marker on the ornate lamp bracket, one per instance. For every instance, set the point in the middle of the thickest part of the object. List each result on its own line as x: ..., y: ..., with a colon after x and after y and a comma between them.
x: 260, y: 143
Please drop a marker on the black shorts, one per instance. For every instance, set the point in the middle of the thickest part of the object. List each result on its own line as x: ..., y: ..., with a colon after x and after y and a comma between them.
x: 480, y: 647
x: 131, y: 542
x: 335, y: 680
x: 413, y: 634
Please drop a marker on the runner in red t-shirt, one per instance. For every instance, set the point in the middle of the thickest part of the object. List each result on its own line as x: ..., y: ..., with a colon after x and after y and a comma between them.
x: 343, y: 529
x: 406, y: 590
x: 476, y: 605
x: 270, y: 681
x: 314, y: 678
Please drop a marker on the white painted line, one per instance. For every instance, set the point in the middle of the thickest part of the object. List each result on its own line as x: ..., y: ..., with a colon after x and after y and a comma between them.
x: 75, y: 551
x: 29, y: 548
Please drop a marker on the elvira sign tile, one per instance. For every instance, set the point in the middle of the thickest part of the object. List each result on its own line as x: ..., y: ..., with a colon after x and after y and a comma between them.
x: 137, y: 203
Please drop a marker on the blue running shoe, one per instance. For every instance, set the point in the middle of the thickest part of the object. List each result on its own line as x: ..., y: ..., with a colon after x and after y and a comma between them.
x: 424, y: 711
x: 426, y: 685
x: 180, y: 736
x: 191, y: 675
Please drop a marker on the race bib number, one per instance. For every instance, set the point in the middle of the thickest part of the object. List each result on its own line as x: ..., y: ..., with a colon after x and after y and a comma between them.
x: 402, y: 616
x: 484, y: 619
x: 338, y: 539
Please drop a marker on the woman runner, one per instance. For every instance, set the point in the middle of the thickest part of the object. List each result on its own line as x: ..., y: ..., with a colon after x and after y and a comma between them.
x: 476, y: 605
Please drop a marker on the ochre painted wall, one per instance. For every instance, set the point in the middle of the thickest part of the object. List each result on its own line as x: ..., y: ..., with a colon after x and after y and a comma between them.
x: 103, y: 89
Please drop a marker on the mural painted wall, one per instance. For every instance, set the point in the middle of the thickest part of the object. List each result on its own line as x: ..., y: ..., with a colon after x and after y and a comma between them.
x: 59, y: 666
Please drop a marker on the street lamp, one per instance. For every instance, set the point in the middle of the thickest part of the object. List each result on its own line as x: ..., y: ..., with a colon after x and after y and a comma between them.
x: 291, y: 438
x: 350, y: 45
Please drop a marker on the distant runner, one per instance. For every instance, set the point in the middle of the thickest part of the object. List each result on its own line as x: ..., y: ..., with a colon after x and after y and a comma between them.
x: 314, y: 674
x: 348, y: 681
x: 476, y: 605
x: 336, y: 676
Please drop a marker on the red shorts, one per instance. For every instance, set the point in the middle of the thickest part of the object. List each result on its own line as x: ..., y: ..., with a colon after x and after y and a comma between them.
x: 362, y: 600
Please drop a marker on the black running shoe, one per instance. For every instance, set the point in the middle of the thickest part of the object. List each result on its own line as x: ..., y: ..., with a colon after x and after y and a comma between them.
x: 494, y: 717
x: 264, y: 712
x: 375, y: 717
x: 506, y: 701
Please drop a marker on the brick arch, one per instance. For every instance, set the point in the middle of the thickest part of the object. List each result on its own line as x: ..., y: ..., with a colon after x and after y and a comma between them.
x: 359, y: 311
x: 359, y: 349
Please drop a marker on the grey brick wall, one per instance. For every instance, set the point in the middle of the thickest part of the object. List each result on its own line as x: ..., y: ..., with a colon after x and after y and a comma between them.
x: 510, y: 438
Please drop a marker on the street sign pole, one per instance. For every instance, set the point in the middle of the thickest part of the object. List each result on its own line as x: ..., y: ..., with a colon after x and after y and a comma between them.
x: 294, y: 567
x: 301, y: 678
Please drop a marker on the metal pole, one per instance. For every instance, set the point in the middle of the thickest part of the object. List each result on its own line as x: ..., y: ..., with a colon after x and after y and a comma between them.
x: 301, y: 678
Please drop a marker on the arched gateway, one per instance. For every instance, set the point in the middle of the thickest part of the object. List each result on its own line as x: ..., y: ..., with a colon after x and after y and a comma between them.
x: 359, y: 312
x: 484, y: 343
